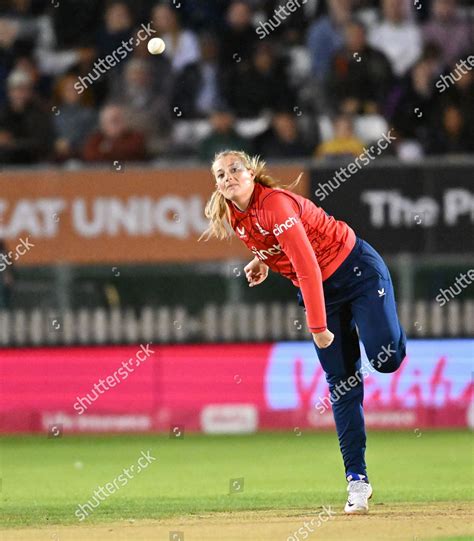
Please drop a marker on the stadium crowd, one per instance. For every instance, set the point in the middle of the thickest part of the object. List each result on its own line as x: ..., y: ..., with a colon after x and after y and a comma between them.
x: 287, y: 79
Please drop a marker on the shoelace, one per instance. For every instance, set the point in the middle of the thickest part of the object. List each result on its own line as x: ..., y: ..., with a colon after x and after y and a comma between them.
x: 358, y: 487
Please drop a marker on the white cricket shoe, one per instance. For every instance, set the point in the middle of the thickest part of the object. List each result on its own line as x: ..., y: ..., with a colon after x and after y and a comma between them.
x: 358, y: 500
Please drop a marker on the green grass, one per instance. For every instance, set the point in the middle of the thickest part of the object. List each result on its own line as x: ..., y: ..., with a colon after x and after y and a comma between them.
x: 463, y: 538
x: 43, y: 484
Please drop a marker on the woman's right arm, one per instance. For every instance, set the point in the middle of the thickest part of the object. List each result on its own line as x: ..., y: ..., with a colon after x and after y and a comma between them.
x: 281, y: 209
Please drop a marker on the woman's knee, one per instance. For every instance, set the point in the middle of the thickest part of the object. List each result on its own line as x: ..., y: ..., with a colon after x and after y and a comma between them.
x: 389, y: 357
x: 392, y: 364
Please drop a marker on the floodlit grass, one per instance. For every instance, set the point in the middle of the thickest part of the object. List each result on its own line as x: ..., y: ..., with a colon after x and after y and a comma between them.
x: 44, y: 480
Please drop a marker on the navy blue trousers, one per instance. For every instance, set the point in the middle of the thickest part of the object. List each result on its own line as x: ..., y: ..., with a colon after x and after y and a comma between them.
x: 359, y: 294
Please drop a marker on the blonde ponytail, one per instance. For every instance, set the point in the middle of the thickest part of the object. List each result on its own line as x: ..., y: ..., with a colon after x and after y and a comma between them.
x: 217, y: 210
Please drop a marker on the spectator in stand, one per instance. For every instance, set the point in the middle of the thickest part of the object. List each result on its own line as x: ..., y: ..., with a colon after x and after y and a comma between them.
x: 415, y: 98
x: 204, y: 16
x: 114, y: 140
x: 9, y: 30
x: 446, y: 29
x: 326, y: 36
x: 42, y: 85
x: 238, y: 38
x: 77, y: 22
x: 8, y: 33
x: 73, y: 120
x: 397, y: 37
x: 148, y: 112
x: 38, y: 26
x: 26, y: 131
x: 223, y: 136
x: 344, y: 143
x: 264, y: 85
x: 117, y: 27
x: 29, y: 30
x: 182, y: 46
x: 194, y: 14
x: 197, y: 90
x: 283, y: 139
x: 289, y: 30
x: 461, y: 93
x: 360, y: 76
x: 160, y: 68
x: 453, y: 136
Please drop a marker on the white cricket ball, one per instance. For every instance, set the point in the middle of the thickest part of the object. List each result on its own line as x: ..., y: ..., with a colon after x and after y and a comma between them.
x: 156, y: 46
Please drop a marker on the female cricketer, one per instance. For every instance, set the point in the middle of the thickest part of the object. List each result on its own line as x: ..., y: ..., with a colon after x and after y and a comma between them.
x: 343, y: 284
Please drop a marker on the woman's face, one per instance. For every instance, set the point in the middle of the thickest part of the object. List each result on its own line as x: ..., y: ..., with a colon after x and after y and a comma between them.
x: 233, y: 180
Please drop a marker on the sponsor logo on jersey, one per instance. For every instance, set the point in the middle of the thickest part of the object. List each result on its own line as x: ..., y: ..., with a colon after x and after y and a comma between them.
x: 281, y: 228
x: 241, y: 232
x: 260, y: 228
x: 276, y: 249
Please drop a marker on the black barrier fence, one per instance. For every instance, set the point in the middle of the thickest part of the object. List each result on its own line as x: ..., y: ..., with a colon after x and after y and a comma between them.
x: 424, y: 208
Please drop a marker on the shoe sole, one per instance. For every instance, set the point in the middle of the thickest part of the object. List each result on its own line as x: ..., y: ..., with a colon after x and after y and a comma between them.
x: 357, y: 512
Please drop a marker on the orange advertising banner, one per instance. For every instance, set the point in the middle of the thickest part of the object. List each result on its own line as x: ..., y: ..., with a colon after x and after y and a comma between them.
x: 106, y: 216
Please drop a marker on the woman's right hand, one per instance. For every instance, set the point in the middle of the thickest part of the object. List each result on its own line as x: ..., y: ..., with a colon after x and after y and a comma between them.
x: 323, y: 339
x: 255, y: 272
